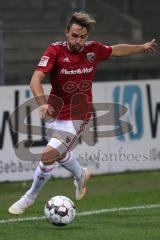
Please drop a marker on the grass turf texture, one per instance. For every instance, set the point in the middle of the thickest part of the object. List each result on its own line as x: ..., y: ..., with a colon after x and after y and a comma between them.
x: 107, y: 191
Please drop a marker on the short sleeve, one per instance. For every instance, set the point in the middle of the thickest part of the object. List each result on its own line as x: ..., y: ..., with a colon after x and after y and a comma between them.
x: 103, y: 51
x: 47, y: 60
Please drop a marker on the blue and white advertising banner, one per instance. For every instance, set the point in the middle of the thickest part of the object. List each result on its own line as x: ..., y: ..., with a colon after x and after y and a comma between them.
x: 123, y: 134
x: 138, y: 149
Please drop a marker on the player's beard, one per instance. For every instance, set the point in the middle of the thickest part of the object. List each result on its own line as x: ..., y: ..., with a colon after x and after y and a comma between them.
x: 75, y: 47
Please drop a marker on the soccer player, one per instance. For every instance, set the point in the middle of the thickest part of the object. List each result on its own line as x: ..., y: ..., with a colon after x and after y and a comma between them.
x: 71, y: 66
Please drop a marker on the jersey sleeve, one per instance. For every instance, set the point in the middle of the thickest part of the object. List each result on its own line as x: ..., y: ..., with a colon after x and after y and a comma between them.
x: 47, y: 60
x: 103, y: 51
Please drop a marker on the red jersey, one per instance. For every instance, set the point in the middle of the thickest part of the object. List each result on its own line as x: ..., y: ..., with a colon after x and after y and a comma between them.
x: 71, y: 75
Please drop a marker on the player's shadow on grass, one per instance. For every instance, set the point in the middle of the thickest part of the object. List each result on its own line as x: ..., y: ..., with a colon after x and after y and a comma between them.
x: 66, y: 228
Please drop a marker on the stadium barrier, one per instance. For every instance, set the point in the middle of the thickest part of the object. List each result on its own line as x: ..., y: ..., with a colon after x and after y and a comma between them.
x: 105, y: 146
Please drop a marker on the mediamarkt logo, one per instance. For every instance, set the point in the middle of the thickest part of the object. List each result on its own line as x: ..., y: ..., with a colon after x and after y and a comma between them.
x: 76, y: 71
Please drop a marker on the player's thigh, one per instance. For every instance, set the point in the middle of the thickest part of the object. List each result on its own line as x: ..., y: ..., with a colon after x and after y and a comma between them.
x: 63, y: 135
x: 66, y: 134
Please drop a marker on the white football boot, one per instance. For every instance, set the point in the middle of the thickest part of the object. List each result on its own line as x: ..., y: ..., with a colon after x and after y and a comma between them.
x: 80, y: 184
x: 21, y: 205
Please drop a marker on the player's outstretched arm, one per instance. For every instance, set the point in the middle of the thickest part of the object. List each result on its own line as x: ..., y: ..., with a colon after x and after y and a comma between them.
x: 129, y: 49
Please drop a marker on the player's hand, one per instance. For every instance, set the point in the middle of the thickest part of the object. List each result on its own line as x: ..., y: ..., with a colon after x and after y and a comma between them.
x: 45, y: 111
x: 150, y: 46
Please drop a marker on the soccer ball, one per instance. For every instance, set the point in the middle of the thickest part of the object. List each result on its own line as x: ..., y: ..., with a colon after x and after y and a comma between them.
x: 59, y: 210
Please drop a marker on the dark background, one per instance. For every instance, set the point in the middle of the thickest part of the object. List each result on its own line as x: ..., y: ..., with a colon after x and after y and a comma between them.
x: 27, y: 27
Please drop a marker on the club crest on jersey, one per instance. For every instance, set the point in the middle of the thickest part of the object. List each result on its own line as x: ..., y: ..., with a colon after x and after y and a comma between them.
x: 91, y: 56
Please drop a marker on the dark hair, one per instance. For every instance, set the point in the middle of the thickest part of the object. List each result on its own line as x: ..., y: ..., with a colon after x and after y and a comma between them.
x: 82, y: 19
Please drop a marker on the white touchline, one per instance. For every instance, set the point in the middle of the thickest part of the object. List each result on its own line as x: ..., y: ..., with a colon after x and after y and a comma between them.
x: 87, y: 213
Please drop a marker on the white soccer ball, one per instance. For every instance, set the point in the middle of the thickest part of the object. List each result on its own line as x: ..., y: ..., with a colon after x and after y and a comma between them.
x: 59, y: 210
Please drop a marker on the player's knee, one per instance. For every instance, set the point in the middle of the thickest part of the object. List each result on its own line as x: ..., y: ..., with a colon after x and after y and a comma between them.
x: 58, y: 145
x: 50, y: 155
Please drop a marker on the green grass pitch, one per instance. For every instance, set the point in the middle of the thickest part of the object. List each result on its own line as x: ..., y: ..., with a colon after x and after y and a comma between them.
x: 104, y: 192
